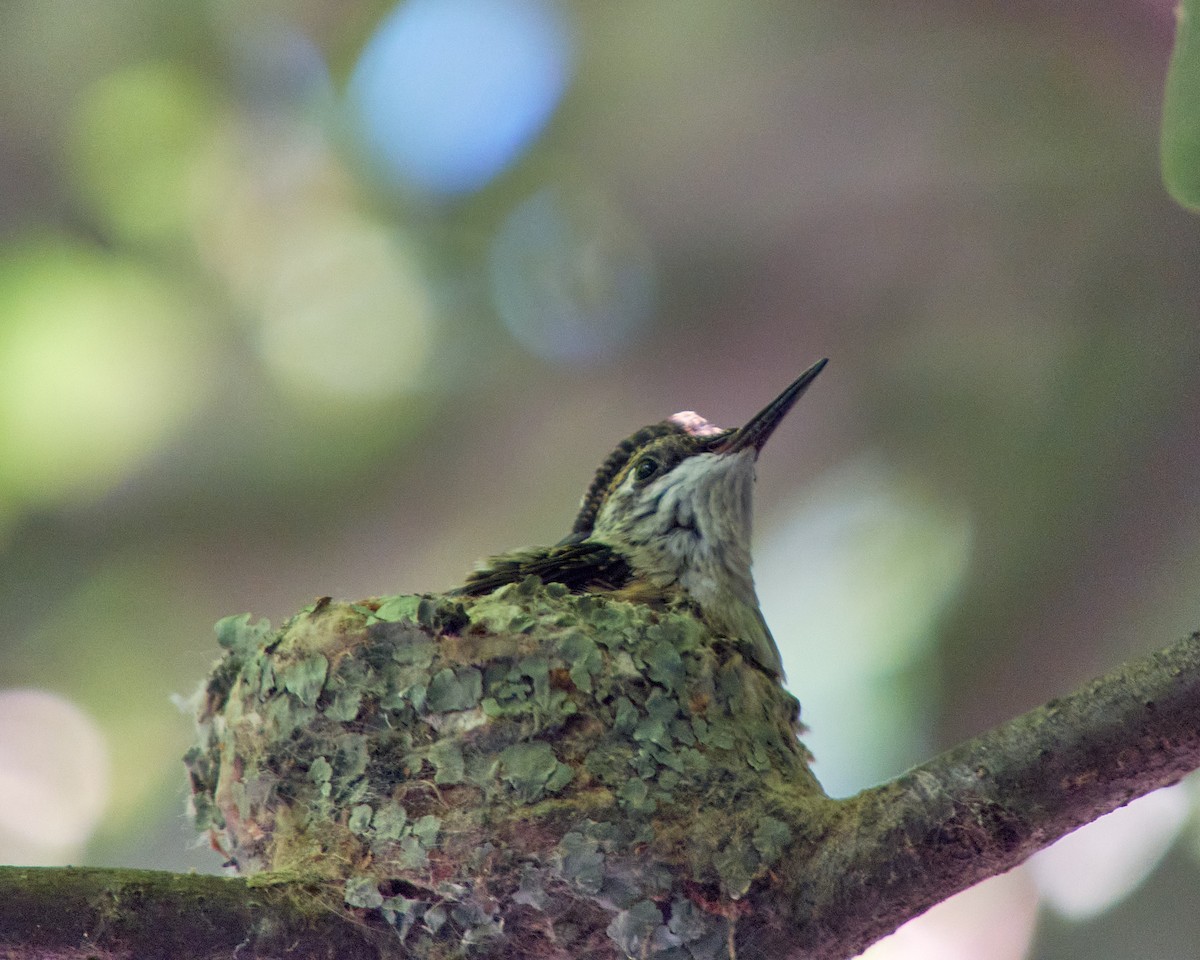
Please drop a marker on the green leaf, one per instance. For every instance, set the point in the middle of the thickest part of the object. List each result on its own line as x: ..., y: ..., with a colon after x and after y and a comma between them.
x: 397, y: 608
x: 426, y: 830
x: 363, y: 892
x: 305, y: 678
x: 537, y: 669
x: 532, y: 769
x: 412, y: 856
x: 446, y: 756
x: 415, y: 652
x: 652, y: 729
x: 634, y: 929
x: 561, y: 776
x: 320, y: 770
x: 771, y: 837
x: 402, y: 912
x: 664, y: 665
x: 405, y: 685
x: 237, y: 633
x: 582, y: 862
x: 435, y: 918
x: 1181, y: 110
x: 532, y: 891
x: 585, y: 658
x: 688, y: 922
x: 345, y: 706
x: 360, y: 818
x: 451, y: 690
x: 350, y: 760
x: 661, y: 712
x: 441, y: 615
x: 283, y: 717
x: 627, y: 716
x: 737, y: 863
x: 635, y: 795
x: 389, y: 821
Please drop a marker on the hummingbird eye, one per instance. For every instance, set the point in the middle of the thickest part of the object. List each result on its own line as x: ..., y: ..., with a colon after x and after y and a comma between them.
x: 645, y: 468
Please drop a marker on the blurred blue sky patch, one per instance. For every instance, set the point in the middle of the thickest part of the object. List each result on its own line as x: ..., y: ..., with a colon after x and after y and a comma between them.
x: 448, y: 93
x: 571, y: 278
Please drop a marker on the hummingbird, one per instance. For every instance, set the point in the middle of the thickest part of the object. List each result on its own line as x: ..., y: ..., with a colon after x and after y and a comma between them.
x: 666, y: 521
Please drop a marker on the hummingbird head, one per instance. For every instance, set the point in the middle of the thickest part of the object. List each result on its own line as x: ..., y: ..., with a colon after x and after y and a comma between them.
x: 676, y: 499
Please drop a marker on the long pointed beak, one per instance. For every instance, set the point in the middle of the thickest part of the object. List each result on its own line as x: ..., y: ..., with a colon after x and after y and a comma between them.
x: 760, y: 427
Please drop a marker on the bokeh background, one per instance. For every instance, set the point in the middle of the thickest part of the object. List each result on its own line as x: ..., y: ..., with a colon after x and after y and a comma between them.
x: 301, y: 298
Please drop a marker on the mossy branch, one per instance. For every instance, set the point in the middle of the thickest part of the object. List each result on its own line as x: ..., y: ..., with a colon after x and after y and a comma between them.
x: 544, y: 775
x: 988, y: 804
x: 72, y: 913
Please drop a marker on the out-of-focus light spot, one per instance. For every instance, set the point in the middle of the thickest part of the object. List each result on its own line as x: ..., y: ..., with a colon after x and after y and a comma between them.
x: 347, y: 313
x: 1101, y: 863
x: 993, y: 920
x: 136, y: 139
x: 571, y: 278
x: 342, y: 305
x: 279, y: 69
x: 448, y: 93
x: 264, y: 188
x: 99, y: 362
x: 54, y: 777
x: 127, y: 672
x: 865, y: 565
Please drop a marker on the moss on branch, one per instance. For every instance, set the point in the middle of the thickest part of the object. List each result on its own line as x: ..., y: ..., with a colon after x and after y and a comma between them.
x: 74, y: 912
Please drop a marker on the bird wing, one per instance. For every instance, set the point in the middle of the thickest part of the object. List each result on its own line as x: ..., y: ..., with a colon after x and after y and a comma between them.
x: 581, y: 565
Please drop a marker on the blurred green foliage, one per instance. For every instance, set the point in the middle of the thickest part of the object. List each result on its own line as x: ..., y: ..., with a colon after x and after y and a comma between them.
x: 1181, y: 110
x: 100, y: 360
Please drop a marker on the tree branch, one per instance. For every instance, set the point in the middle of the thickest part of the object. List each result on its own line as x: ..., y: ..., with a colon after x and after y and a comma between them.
x: 545, y: 775
x: 988, y: 804
x: 72, y: 913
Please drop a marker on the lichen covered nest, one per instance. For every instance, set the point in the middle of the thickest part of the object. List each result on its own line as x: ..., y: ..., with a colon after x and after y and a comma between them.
x: 486, y: 773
